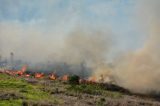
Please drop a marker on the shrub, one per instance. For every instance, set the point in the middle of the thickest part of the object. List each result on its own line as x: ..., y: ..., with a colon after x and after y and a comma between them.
x: 73, y: 80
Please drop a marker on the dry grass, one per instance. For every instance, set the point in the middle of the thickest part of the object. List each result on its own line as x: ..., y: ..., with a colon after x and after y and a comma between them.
x: 32, y: 92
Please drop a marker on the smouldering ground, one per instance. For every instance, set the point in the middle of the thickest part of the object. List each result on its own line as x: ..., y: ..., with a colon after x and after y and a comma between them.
x: 16, y: 91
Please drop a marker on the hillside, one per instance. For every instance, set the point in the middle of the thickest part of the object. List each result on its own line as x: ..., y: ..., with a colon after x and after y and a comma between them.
x: 18, y: 91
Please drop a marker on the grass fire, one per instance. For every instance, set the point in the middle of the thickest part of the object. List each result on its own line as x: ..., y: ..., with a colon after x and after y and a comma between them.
x: 24, y: 87
x: 79, y: 53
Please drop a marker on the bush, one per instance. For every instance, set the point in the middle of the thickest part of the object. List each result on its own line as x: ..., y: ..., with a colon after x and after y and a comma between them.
x: 73, y: 80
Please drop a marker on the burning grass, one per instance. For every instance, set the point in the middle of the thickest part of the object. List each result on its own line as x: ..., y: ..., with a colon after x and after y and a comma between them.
x: 19, y: 92
x: 22, y: 91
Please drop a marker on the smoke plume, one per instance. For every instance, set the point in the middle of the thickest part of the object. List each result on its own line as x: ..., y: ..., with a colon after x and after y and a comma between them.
x: 87, y: 47
x: 139, y: 71
x: 80, y: 49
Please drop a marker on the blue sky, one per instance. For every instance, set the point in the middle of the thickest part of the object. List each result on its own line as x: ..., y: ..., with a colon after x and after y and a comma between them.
x: 60, y: 17
x: 113, y: 12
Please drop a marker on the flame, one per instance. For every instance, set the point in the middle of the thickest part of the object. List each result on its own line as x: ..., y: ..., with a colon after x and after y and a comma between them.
x: 52, y: 77
x: 24, y: 68
x: 92, y: 79
x: 39, y: 75
x: 27, y: 75
x: 22, y: 71
x: 65, y: 78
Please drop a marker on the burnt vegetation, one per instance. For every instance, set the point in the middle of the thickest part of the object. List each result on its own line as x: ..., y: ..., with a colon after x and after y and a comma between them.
x: 30, y: 91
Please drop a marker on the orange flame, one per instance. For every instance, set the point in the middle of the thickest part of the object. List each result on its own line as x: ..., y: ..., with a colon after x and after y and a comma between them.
x: 39, y: 75
x: 22, y: 71
x: 65, y: 78
x: 24, y: 68
x: 27, y: 75
x: 52, y: 77
x: 92, y: 79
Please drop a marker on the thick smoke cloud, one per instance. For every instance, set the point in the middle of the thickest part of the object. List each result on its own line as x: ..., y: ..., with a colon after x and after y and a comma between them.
x: 88, y: 47
x: 27, y: 43
x: 85, y: 46
x: 139, y: 71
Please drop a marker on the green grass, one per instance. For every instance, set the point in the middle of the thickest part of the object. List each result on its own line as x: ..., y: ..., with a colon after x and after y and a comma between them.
x: 11, y: 103
x: 21, y: 92
x: 28, y: 92
x: 7, y: 81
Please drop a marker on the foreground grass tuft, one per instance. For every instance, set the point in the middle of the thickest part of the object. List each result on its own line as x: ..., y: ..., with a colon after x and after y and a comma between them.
x: 11, y: 102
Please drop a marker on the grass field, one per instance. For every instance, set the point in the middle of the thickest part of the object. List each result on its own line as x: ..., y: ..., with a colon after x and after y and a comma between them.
x: 16, y: 91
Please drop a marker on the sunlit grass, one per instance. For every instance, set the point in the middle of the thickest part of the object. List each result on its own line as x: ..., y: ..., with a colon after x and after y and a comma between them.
x: 28, y: 91
x: 11, y: 102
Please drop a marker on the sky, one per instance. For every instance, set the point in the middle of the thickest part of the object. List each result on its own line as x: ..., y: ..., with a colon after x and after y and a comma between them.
x: 48, y: 22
